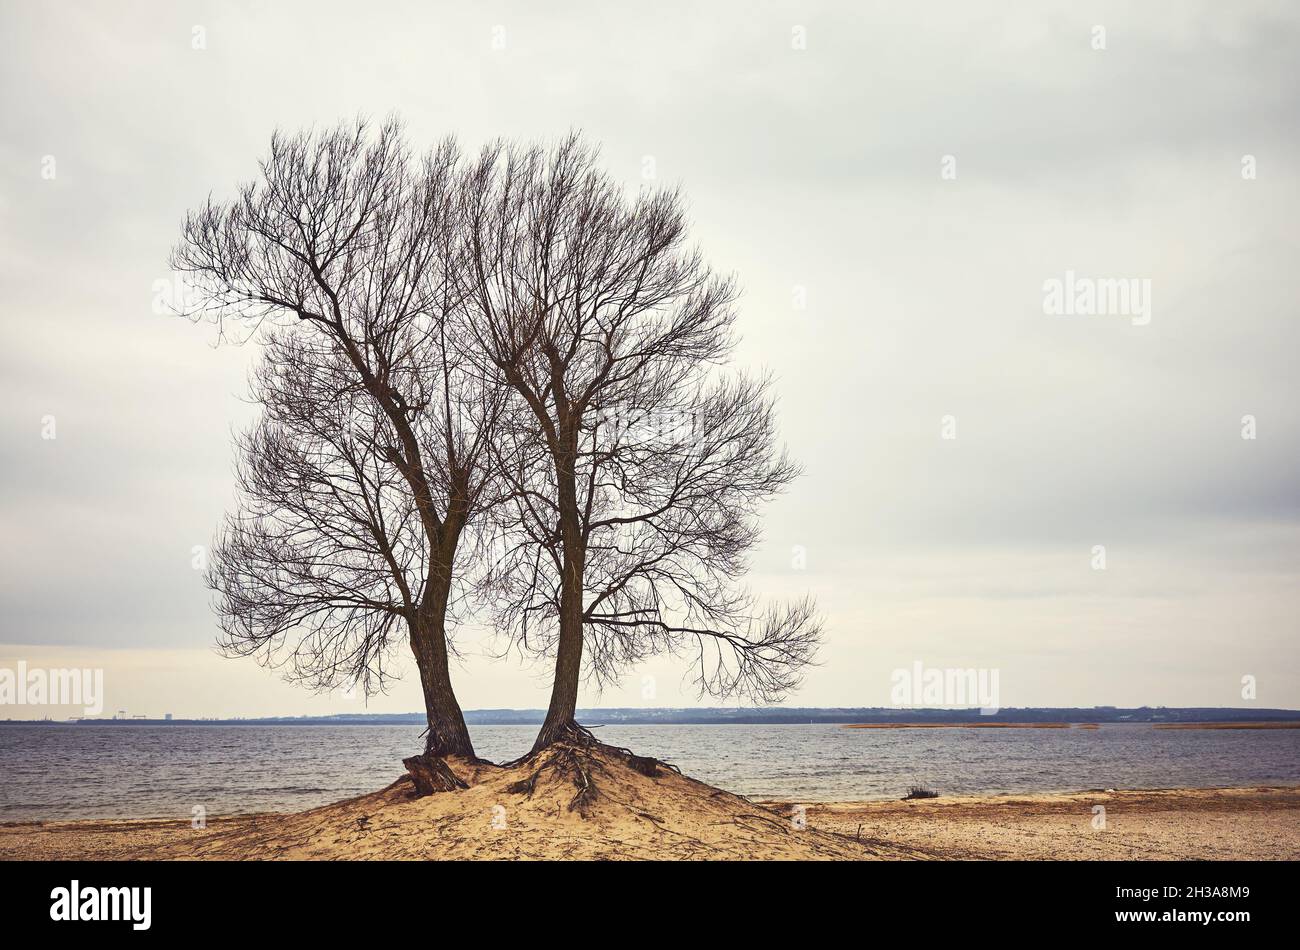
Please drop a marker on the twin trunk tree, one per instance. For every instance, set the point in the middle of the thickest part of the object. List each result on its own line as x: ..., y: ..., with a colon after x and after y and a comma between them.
x: 505, y: 349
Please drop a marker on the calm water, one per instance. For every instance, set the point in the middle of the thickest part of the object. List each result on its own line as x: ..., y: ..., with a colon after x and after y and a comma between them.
x: 53, y: 771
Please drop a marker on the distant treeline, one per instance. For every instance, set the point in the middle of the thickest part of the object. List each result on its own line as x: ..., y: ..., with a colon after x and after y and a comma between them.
x: 768, y: 716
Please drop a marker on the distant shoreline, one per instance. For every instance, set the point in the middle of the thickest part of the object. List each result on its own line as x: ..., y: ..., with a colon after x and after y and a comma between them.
x: 1282, y: 724
x: 864, y: 717
x: 970, y: 725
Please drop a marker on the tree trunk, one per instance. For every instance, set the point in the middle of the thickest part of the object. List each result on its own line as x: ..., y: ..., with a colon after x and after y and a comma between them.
x: 448, y: 734
x: 560, y: 723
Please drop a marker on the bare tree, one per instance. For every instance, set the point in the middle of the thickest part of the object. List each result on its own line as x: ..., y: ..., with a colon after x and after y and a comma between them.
x: 371, y: 461
x: 636, y: 482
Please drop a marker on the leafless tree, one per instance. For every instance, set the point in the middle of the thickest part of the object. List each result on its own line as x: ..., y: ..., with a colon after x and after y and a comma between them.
x: 636, y: 480
x: 371, y: 461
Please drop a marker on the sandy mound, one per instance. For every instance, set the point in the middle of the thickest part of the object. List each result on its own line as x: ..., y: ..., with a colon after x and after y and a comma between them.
x: 571, y: 801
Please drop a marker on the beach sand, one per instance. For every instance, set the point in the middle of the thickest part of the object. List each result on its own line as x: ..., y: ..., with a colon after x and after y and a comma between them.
x: 594, y: 805
x: 1215, y: 824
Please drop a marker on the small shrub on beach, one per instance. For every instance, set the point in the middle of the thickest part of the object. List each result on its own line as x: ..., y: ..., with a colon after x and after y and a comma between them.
x: 920, y: 791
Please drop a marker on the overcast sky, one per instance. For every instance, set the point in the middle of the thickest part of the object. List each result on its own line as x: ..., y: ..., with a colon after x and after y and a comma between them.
x: 882, y: 294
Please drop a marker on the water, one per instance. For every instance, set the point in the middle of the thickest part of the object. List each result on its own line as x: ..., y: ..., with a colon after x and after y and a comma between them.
x: 86, y: 771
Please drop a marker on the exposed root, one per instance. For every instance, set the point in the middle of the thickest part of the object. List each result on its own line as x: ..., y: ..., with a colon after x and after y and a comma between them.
x: 525, y: 786
x: 574, y: 764
x: 646, y: 766
x: 569, y: 734
x: 577, y: 734
x: 586, y: 789
x: 577, y: 758
x: 432, y: 774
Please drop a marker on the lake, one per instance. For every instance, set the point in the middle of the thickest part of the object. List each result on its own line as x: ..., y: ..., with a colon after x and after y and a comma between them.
x: 88, y: 771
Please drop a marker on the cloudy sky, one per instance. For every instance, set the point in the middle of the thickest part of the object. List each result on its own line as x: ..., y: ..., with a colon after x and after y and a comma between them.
x: 894, y: 185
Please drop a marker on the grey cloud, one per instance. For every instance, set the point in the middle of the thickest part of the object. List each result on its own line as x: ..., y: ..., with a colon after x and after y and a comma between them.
x: 817, y: 168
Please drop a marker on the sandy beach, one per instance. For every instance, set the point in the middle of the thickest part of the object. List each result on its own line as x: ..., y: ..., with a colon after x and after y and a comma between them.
x: 1218, y: 824
x: 587, y: 804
